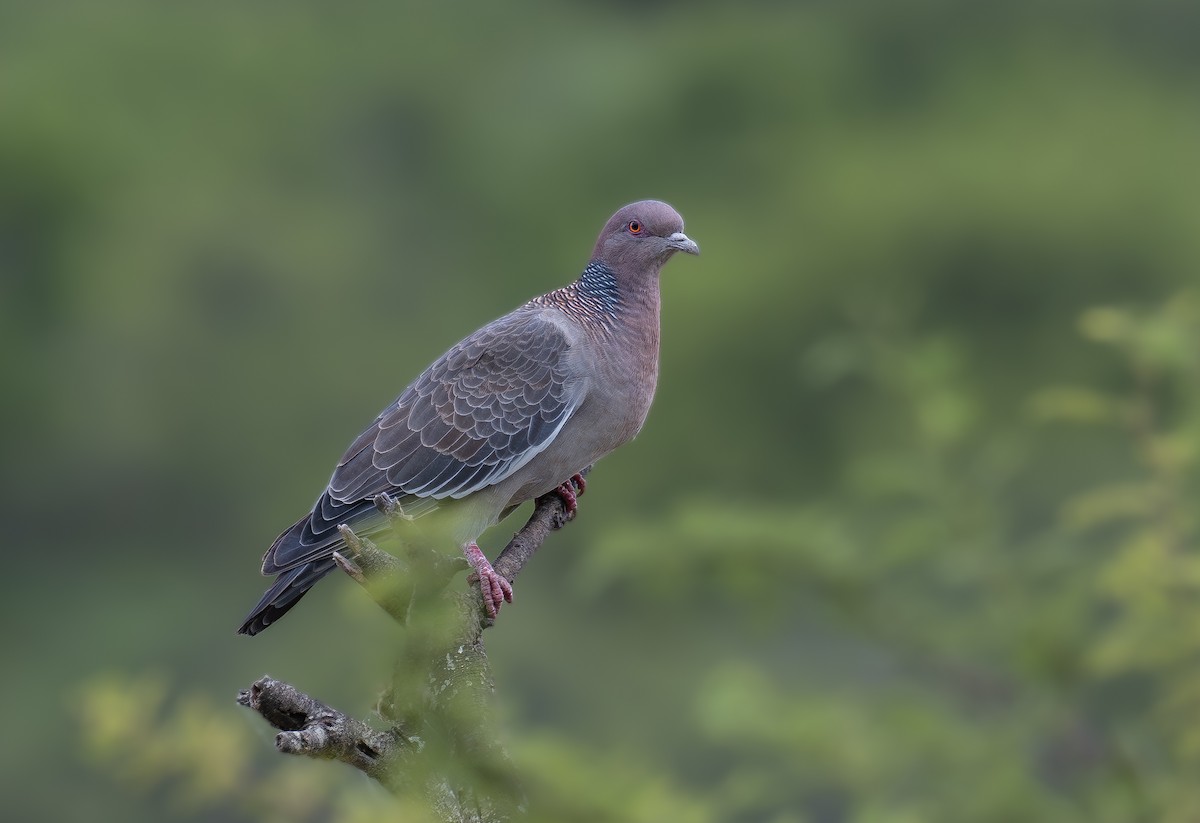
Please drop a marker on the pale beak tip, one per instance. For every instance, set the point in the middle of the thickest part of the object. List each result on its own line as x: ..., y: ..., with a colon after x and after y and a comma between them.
x: 683, y: 243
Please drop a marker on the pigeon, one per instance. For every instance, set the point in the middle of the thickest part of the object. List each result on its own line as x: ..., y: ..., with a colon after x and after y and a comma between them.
x: 512, y: 412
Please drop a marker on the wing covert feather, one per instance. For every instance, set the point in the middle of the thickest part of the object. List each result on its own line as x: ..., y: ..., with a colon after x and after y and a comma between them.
x: 491, y: 403
x: 474, y: 417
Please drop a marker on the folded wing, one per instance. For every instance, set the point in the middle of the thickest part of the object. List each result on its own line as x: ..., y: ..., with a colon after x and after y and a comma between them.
x: 477, y: 415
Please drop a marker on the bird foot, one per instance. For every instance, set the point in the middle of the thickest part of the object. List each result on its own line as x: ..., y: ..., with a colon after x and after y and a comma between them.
x: 495, y: 589
x: 570, y: 492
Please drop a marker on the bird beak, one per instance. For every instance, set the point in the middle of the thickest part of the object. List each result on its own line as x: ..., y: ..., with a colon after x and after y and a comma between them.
x: 681, y: 242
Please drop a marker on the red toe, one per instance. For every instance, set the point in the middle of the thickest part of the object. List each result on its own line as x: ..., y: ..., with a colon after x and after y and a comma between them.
x: 495, y: 589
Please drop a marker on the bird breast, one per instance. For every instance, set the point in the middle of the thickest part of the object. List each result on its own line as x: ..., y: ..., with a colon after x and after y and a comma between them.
x: 620, y: 365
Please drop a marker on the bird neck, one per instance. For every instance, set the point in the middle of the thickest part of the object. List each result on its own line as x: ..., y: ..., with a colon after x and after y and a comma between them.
x: 598, y: 284
x: 607, y: 291
x: 607, y: 303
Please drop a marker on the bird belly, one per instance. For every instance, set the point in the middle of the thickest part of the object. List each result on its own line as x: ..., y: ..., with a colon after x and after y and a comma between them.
x: 594, y: 431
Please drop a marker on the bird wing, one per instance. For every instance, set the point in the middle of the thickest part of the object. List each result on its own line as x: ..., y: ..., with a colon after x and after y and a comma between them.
x: 482, y: 411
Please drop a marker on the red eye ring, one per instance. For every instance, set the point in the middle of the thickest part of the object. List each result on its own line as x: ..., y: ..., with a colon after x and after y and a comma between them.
x: 635, y: 227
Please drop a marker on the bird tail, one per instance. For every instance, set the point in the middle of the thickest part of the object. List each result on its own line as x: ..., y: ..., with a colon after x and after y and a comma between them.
x: 286, y: 592
x: 300, y: 557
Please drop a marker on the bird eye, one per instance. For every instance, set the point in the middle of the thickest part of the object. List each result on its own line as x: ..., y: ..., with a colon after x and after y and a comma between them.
x: 635, y: 227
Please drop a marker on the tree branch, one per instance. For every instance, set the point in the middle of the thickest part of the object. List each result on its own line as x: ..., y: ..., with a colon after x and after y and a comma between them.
x: 439, y: 737
x: 309, y: 727
x: 550, y: 514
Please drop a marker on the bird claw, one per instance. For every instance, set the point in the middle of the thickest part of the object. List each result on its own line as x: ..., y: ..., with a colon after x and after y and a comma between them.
x: 570, y: 492
x: 496, y: 590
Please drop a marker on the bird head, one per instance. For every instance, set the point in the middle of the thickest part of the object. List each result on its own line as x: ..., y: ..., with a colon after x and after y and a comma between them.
x: 641, y: 237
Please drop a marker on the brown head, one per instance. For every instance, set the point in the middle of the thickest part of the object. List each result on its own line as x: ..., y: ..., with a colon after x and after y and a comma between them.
x: 641, y: 237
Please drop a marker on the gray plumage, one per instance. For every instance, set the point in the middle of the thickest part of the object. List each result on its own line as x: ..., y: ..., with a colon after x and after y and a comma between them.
x: 506, y: 415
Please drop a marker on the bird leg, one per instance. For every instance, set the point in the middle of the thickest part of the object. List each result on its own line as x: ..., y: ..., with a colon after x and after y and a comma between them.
x: 495, y: 588
x: 570, y: 492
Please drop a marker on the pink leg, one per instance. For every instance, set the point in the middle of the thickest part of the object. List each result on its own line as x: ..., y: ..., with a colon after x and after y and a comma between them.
x: 570, y: 497
x: 496, y: 590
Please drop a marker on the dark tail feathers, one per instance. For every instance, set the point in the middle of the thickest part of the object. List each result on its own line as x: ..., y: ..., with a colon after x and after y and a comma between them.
x: 286, y: 592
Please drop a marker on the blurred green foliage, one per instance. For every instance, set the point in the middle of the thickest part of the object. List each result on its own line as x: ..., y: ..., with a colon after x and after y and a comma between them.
x: 911, y: 532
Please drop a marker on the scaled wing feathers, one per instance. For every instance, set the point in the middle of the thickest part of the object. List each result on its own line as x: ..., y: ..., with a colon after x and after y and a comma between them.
x: 479, y: 413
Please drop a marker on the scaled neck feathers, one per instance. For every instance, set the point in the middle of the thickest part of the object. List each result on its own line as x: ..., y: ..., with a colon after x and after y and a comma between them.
x: 598, y: 284
x: 597, y: 298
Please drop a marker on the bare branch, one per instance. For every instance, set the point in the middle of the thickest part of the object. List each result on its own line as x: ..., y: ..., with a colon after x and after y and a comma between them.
x: 549, y: 514
x: 309, y: 727
x: 383, y: 575
x: 437, y: 704
x: 370, y: 559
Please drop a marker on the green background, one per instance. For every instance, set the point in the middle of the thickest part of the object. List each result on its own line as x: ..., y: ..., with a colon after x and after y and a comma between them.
x: 910, y: 534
